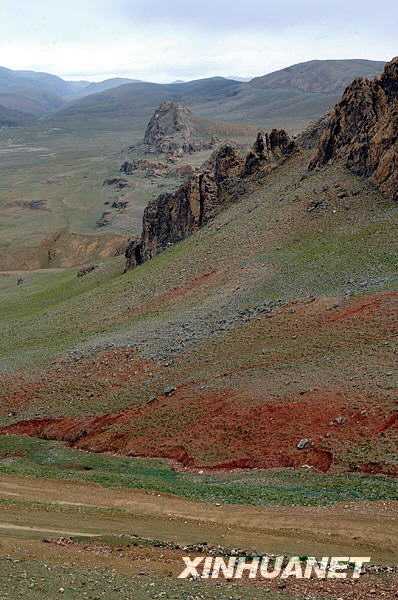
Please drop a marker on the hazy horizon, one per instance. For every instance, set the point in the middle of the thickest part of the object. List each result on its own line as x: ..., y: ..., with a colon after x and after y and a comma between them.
x: 151, y: 41
x: 101, y: 78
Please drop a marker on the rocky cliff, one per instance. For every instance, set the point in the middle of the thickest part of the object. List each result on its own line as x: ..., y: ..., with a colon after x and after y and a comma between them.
x: 172, y: 129
x: 363, y: 131
x: 268, y: 150
x: 172, y: 217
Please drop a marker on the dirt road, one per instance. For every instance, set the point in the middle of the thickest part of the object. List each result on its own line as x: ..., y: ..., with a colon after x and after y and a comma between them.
x: 364, y: 529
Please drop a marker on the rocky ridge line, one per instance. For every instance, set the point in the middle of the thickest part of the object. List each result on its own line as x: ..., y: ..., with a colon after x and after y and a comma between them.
x: 172, y: 217
x: 362, y: 131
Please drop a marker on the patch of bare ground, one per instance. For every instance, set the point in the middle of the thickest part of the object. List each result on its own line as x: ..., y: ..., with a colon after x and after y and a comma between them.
x: 364, y: 529
x: 238, y: 418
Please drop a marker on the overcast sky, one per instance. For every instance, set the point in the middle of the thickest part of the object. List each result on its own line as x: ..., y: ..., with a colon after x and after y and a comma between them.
x: 165, y: 40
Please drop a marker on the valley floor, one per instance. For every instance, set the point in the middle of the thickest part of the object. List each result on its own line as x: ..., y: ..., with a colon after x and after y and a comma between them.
x: 74, y: 538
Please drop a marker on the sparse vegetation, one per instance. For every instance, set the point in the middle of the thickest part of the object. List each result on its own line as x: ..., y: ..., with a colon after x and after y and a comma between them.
x: 38, y: 458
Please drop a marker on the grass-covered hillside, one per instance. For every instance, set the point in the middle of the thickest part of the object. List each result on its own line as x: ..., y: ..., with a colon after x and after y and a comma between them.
x: 284, y: 306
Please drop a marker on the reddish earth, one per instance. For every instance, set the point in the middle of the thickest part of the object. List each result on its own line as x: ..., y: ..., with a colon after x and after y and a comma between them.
x: 224, y: 429
x: 99, y: 377
x: 236, y: 405
x: 379, y: 468
x: 160, y: 301
x: 367, y: 307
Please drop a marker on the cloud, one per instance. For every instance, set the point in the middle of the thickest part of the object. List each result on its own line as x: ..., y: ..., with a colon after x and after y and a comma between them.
x: 268, y: 15
x: 162, y: 41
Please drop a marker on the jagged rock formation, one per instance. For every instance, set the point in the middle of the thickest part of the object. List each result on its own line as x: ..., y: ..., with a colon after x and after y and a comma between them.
x: 363, y: 131
x: 149, y: 167
x: 172, y: 217
x: 267, y: 150
x: 310, y: 137
x: 173, y: 129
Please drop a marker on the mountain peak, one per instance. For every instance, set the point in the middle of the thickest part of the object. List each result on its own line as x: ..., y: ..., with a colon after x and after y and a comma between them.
x: 320, y: 76
x: 172, y: 128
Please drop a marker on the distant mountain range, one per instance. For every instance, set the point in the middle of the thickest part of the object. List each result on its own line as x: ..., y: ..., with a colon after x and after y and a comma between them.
x: 299, y: 93
x: 320, y: 76
x: 37, y: 94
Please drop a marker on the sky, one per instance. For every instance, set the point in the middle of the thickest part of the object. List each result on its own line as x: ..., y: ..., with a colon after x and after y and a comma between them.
x: 168, y: 40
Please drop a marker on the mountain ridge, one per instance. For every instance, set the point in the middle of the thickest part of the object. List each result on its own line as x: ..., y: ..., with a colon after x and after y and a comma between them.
x: 320, y: 76
x: 309, y: 90
x: 37, y: 93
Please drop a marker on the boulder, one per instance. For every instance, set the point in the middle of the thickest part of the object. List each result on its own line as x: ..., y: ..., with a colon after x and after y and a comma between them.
x: 304, y: 444
x: 118, y: 182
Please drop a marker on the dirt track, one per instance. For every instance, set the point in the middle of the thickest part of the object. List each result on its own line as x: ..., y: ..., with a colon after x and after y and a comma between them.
x: 352, y: 530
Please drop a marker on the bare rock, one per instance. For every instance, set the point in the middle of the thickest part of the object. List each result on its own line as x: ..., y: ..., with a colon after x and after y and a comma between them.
x: 86, y: 270
x: 128, y: 167
x: 172, y: 217
x: 120, y: 204
x: 169, y: 390
x: 173, y: 130
x: 117, y: 182
x: 268, y: 150
x: 363, y: 131
x: 105, y: 219
x: 304, y: 444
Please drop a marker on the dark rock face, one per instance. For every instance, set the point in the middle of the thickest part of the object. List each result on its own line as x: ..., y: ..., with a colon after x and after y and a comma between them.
x: 128, y: 167
x: 133, y: 254
x: 311, y: 136
x: 170, y: 219
x: 118, y: 182
x: 172, y: 129
x: 173, y: 217
x: 363, y: 131
x: 267, y: 150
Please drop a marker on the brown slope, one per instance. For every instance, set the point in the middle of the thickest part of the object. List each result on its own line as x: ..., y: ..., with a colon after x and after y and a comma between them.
x: 243, y: 425
x: 319, y: 76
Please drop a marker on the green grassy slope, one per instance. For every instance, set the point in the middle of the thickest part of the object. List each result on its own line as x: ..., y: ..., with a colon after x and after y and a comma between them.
x: 269, y: 244
x: 38, y: 458
x: 189, y: 313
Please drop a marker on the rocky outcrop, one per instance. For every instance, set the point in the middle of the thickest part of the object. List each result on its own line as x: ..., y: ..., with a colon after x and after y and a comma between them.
x: 173, y: 129
x: 363, y: 131
x: 118, y: 182
x: 310, y: 137
x: 172, y: 217
x: 268, y: 150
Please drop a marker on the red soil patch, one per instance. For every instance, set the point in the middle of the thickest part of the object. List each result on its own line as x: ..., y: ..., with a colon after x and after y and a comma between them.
x: 162, y: 300
x: 182, y: 291
x: 89, y: 378
x: 222, y: 429
x: 390, y: 423
x: 374, y: 468
x: 229, y: 429
x: 367, y: 307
